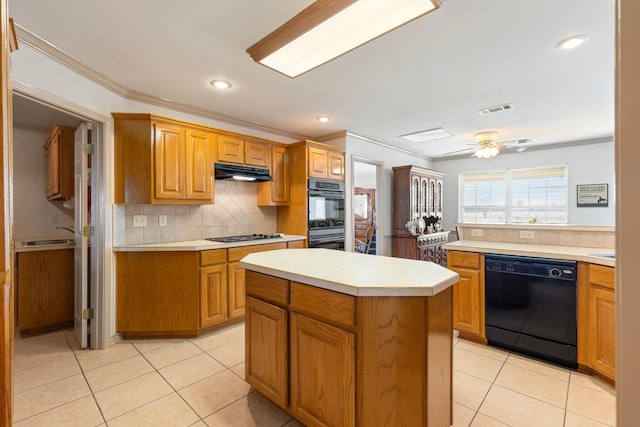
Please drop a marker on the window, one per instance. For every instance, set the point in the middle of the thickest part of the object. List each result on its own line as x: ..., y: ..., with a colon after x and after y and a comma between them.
x: 527, y: 195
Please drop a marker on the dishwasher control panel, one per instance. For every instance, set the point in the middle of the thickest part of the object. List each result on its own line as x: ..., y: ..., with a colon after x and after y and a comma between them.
x: 531, y: 266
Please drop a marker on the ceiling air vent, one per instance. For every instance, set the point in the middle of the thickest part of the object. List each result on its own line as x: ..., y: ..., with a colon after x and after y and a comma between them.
x: 426, y: 135
x: 495, y: 109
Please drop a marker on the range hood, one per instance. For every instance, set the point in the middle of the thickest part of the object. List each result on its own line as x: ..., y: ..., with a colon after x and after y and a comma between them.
x: 241, y: 173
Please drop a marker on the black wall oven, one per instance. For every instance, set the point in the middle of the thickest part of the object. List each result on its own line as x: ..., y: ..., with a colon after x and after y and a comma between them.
x: 326, y: 214
x: 531, y: 306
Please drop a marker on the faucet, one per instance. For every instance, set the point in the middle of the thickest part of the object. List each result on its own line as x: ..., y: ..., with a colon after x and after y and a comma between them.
x: 66, y: 228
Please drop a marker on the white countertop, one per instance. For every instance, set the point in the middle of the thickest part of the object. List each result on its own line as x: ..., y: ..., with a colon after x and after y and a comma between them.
x: 573, y: 253
x: 353, y: 273
x: 201, y: 245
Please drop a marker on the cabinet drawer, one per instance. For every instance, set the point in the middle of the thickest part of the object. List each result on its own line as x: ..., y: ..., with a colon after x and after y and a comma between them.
x: 215, y: 256
x: 328, y: 305
x: 267, y: 287
x: 236, y: 254
x: 602, y: 276
x: 464, y: 259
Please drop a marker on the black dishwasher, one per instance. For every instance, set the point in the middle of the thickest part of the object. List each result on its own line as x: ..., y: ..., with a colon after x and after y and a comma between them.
x: 531, y: 306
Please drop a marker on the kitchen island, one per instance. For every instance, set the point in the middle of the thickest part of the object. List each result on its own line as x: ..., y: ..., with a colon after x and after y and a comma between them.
x: 347, y: 339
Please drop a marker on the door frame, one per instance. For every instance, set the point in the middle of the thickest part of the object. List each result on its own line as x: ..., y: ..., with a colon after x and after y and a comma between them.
x: 381, y: 220
x: 102, y: 299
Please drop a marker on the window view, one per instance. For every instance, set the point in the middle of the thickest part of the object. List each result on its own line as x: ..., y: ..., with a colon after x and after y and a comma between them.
x: 527, y: 195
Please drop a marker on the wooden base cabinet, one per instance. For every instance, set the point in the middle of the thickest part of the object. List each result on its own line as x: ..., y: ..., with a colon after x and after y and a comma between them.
x: 468, y: 295
x: 596, y: 321
x: 267, y: 337
x: 352, y: 361
x: 45, y: 290
x: 322, y: 373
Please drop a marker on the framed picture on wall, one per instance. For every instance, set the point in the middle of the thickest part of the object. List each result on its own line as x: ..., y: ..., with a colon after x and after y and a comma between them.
x: 593, y: 195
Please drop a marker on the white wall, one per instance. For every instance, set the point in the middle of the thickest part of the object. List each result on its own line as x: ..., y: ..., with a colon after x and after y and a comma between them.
x: 356, y: 147
x: 34, y: 215
x: 588, y: 164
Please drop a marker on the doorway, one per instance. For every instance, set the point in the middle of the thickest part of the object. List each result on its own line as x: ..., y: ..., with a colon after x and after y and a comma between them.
x: 366, y: 206
x: 38, y: 215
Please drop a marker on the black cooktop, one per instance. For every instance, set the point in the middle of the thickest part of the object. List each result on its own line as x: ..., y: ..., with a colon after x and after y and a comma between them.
x: 245, y: 238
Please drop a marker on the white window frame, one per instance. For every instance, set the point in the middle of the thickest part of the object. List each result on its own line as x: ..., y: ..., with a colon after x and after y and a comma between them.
x: 508, y: 196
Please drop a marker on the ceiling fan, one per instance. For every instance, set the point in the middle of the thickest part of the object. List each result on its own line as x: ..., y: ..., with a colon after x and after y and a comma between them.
x: 487, y: 145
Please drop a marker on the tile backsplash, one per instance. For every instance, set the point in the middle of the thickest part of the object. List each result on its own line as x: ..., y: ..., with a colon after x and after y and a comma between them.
x: 585, y: 236
x: 233, y: 213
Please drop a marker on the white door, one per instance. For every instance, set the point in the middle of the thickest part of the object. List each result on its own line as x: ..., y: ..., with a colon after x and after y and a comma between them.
x: 82, y: 232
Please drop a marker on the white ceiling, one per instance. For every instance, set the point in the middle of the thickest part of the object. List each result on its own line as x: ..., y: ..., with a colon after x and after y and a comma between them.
x: 435, y: 71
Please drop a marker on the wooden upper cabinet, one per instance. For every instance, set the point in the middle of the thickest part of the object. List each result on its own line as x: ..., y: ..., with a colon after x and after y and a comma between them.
x: 325, y: 164
x: 230, y: 149
x: 336, y: 165
x: 162, y: 161
x: 199, y: 162
x: 169, y: 161
x: 257, y: 154
x: 276, y: 192
x: 59, y: 163
x: 318, y: 163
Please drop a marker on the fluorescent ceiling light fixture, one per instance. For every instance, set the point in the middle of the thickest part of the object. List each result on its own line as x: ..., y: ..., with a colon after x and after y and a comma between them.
x: 330, y: 28
x: 323, y: 119
x: 427, y: 135
x: 573, y: 41
x: 221, y: 84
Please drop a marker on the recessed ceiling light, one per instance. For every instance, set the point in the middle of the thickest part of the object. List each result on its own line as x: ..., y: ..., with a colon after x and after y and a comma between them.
x: 323, y: 119
x: 573, y: 41
x: 220, y: 84
x: 427, y: 135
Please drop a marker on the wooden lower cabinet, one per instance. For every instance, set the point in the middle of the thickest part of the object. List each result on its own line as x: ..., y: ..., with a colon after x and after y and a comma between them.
x: 322, y: 373
x: 266, y: 326
x: 45, y: 290
x: 180, y: 294
x: 236, y: 299
x: 468, y: 295
x: 597, y: 317
x: 213, y: 291
x: 351, y: 361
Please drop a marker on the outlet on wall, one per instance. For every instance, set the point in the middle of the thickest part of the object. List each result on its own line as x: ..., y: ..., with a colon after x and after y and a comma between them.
x: 477, y: 232
x: 139, y: 220
x: 527, y: 234
x: 162, y: 220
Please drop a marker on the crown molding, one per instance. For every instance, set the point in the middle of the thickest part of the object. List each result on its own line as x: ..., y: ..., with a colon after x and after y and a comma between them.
x: 70, y: 62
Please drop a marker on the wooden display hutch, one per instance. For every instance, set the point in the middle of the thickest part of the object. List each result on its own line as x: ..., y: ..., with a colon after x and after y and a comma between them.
x: 417, y: 193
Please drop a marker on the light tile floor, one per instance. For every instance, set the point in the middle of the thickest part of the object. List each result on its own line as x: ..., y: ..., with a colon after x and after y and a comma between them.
x: 200, y: 382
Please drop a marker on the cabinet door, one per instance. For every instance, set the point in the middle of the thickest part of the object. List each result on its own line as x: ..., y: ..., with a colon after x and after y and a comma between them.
x: 52, y: 156
x: 415, y: 198
x: 199, y: 165
x: 468, y: 300
x: 213, y: 295
x: 335, y: 165
x: 318, y: 163
x: 236, y: 290
x: 280, y: 174
x: 425, y: 197
x: 45, y: 289
x: 266, y: 366
x: 322, y: 373
x: 256, y: 154
x: 602, y: 336
x: 169, y: 161
x: 230, y: 149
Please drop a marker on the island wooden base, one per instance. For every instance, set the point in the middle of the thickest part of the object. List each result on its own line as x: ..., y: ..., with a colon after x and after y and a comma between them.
x: 331, y: 359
